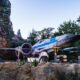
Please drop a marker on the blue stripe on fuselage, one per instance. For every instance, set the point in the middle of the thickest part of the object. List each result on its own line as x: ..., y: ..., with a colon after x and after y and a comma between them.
x: 52, y: 40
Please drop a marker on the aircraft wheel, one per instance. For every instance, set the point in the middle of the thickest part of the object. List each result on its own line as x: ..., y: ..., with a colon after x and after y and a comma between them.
x: 43, y: 59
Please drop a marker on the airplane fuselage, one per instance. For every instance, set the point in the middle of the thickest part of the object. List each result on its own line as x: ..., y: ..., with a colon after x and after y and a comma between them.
x: 49, y: 44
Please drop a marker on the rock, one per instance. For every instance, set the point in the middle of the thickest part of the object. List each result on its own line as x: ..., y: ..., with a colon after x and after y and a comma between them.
x: 8, y: 71
x: 25, y: 73
x: 3, y: 42
x: 11, y: 71
x: 46, y: 71
x: 6, y: 31
x: 60, y: 71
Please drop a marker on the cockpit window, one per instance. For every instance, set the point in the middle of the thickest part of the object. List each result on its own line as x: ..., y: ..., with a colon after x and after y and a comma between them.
x: 40, y: 41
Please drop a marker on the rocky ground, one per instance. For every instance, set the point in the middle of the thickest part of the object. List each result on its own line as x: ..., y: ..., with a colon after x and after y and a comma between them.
x: 45, y: 71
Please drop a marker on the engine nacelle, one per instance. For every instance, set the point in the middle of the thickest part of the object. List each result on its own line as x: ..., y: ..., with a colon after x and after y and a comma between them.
x: 25, y: 49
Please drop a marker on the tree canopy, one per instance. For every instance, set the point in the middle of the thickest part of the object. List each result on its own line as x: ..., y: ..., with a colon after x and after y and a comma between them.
x: 66, y: 27
x: 69, y: 27
x: 39, y: 35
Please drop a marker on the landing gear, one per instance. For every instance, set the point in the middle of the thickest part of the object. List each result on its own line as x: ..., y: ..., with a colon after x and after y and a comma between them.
x: 43, y: 57
x: 18, y: 56
x: 19, y: 61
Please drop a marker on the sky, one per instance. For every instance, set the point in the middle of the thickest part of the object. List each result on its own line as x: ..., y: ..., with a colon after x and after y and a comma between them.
x: 39, y: 14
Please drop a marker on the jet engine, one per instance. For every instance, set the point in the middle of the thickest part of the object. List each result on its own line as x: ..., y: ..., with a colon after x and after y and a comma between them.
x: 25, y: 49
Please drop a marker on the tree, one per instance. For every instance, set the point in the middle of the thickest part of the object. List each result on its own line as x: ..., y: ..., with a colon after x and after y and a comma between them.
x: 56, y: 33
x: 46, y: 33
x: 19, y: 33
x: 17, y: 40
x: 32, y: 39
x: 78, y: 19
x: 35, y: 36
x: 69, y: 27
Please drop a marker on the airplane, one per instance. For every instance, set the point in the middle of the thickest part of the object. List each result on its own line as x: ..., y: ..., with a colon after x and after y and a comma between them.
x: 43, y: 47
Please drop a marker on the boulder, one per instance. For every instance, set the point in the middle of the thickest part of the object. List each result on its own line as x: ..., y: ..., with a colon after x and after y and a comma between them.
x: 57, y: 71
x: 6, y: 31
x: 12, y: 71
x: 44, y: 71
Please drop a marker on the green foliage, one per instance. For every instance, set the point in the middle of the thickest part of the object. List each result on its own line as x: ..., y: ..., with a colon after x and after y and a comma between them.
x: 46, y: 33
x: 56, y: 34
x: 69, y: 27
x: 77, y: 43
x: 20, y: 63
x: 39, y: 35
x: 19, y: 34
x: 32, y: 37
x: 78, y: 19
x: 35, y: 63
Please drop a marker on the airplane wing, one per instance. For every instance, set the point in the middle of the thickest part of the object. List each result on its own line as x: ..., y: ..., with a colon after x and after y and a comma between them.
x: 7, y: 49
x: 71, y: 48
x: 25, y: 49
